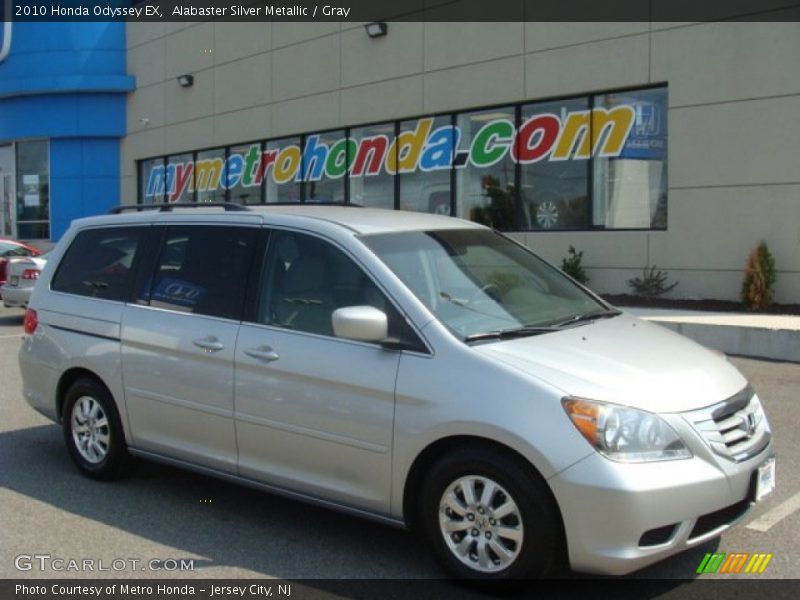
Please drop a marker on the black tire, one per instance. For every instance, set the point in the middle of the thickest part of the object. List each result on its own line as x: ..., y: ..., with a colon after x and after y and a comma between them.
x: 114, y: 462
x: 541, y: 551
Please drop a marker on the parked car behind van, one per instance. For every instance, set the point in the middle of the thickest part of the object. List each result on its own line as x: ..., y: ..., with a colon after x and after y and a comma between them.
x: 22, y: 274
x: 416, y: 369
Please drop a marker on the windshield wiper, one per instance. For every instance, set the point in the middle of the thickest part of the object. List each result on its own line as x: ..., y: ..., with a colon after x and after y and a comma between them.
x: 585, y: 317
x: 514, y: 332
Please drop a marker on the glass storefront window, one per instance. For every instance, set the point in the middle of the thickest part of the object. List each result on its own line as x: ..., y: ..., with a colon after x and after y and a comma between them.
x: 152, y: 181
x: 245, y: 174
x: 33, y: 190
x: 630, y: 189
x: 282, y: 161
x: 209, y: 174
x: 485, y: 186
x: 554, y: 165
x: 179, y: 178
x: 370, y: 184
x: 583, y: 163
x: 422, y: 156
x: 326, y: 157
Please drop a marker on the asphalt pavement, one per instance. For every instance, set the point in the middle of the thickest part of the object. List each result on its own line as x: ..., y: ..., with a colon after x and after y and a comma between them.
x: 160, y: 513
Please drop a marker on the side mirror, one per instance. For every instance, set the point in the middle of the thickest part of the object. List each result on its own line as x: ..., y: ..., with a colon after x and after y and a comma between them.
x: 363, y: 323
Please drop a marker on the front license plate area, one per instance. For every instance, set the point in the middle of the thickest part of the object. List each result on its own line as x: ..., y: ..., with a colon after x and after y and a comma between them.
x: 765, y: 479
x: 15, y: 280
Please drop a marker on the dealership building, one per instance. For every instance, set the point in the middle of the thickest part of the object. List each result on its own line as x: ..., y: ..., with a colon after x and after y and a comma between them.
x: 668, y: 144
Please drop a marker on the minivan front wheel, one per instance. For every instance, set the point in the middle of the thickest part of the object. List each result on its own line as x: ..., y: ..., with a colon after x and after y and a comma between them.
x: 488, y: 517
x: 93, y: 430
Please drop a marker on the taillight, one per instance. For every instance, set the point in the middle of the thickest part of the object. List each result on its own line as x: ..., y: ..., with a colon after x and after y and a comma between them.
x: 31, y: 321
x: 31, y: 274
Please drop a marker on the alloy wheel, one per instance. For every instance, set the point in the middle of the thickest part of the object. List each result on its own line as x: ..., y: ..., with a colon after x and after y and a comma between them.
x: 481, y: 523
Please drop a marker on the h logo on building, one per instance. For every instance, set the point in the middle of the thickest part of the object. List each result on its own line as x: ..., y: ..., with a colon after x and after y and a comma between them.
x: 5, y: 29
x: 734, y: 563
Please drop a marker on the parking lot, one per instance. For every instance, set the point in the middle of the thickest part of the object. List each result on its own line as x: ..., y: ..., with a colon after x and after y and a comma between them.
x: 161, y: 513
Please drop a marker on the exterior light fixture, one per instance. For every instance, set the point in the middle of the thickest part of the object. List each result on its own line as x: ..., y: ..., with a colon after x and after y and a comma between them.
x: 186, y: 80
x: 376, y: 29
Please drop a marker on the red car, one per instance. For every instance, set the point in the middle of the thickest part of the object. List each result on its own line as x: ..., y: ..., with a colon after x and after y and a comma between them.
x: 12, y: 249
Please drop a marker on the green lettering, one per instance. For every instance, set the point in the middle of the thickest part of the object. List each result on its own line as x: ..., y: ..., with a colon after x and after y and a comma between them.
x: 341, y: 156
x: 250, y: 160
x: 491, y: 143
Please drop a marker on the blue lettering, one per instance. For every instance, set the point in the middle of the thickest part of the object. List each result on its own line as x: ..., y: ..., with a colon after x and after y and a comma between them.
x: 438, y: 151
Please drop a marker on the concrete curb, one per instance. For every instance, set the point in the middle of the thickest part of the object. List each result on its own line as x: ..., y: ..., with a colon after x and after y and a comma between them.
x: 760, y: 336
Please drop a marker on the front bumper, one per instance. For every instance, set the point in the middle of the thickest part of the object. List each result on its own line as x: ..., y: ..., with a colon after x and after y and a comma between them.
x: 622, y: 517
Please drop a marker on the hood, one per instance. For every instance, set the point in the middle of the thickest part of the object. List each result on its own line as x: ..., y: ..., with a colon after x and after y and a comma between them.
x: 623, y: 360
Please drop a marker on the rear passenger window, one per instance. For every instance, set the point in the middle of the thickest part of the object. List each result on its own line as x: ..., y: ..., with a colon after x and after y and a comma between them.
x: 203, y: 270
x: 99, y: 263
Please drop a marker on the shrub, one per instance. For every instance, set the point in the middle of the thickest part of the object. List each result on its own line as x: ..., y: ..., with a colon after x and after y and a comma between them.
x: 571, y: 265
x: 759, y: 278
x: 651, y: 284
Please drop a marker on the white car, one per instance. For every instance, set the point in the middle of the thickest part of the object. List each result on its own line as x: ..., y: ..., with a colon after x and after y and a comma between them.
x: 420, y: 370
x: 22, y: 274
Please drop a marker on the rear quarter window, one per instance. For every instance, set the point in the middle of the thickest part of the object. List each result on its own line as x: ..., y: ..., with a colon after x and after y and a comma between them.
x: 99, y: 263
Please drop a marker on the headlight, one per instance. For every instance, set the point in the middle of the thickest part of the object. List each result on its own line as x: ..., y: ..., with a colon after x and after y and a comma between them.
x: 625, y: 434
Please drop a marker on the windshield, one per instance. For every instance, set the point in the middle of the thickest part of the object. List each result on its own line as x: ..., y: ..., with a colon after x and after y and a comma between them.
x: 477, y: 281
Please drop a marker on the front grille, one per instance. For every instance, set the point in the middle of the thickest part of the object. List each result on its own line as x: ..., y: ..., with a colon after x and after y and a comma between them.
x: 719, y: 518
x: 735, y: 428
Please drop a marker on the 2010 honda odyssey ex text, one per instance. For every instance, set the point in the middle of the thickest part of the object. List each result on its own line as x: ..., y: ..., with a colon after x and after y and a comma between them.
x: 416, y: 369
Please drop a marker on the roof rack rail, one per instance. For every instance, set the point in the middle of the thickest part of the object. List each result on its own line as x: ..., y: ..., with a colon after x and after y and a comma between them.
x: 168, y: 206
x: 314, y: 203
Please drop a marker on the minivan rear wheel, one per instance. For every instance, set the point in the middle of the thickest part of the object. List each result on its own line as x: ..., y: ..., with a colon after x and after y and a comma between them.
x: 93, y: 431
x: 488, y: 517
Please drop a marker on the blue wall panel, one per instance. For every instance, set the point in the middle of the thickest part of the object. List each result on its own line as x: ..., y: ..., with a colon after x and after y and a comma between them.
x: 84, y: 179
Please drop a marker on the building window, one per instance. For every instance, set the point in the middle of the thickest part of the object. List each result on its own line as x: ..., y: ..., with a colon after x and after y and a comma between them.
x: 210, y: 172
x: 486, y: 185
x: 422, y: 157
x: 370, y: 183
x: 326, y: 159
x: 591, y: 162
x: 552, y: 151
x: 630, y: 189
x: 179, y: 178
x: 152, y: 181
x: 33, y: 190
x: 244, y: 174
x: 282, y: 160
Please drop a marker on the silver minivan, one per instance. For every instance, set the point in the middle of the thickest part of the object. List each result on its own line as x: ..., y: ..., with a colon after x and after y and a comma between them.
x: 416, y: 369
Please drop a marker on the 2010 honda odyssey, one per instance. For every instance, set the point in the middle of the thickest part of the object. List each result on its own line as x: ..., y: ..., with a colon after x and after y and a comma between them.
x: 416, y: 369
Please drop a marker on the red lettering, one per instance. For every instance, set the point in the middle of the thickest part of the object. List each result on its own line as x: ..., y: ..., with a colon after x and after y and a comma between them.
x: 372, y: 150
x: 183, y: 176
x: 535, y: 138
x: 267, y: 158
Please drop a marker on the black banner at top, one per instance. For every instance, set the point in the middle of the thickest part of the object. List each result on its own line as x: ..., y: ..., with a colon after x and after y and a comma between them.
x: 401, y: 10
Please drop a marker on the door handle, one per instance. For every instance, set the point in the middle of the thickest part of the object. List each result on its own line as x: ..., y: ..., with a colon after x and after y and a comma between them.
x: 263, y: 353
x: 209, y: 344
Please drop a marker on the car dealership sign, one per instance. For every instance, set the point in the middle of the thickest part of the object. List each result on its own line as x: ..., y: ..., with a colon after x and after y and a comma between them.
x: 575, y: 135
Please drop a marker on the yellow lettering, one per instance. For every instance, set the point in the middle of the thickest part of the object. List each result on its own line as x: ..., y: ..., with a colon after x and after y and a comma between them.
x: 609, y: 130
x: 405, y: 149
x: 207, y: 173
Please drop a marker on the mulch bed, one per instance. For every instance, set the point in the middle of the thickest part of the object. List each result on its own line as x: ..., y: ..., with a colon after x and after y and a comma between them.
x: 706, y: 305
